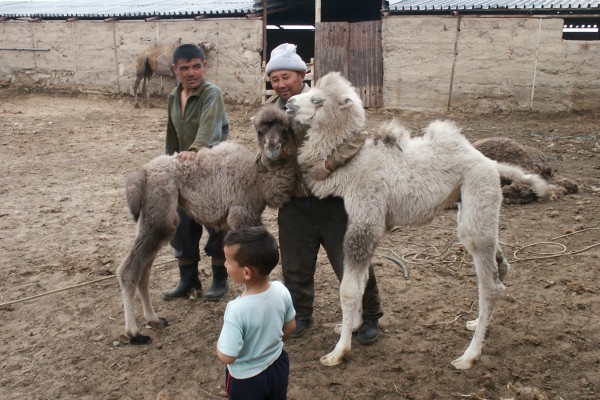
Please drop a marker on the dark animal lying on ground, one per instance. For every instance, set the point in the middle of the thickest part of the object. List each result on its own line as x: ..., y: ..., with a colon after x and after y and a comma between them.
x: 221, y: 188
x: 531, y: 160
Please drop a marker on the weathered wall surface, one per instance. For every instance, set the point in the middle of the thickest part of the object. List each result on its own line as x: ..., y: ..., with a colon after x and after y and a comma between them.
x: 568, y: 71
x: 486, y: 64
x: 101, y: 56
x: 490, y: 63
x: 417, y: 62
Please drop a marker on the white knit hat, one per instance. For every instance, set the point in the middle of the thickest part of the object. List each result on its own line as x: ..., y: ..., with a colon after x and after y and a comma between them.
x: 284, y: 57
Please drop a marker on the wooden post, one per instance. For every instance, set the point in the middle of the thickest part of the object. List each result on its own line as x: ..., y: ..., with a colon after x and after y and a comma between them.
x: 264, y: 21
x: 317, y: 11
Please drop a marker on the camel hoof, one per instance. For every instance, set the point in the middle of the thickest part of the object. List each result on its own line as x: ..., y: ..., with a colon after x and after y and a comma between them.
x: 338, y: 329
x: 463, y: 363
x: 472, y: 325
x: 140, y: 340
x: 162, y: 323
x: 330, y: 360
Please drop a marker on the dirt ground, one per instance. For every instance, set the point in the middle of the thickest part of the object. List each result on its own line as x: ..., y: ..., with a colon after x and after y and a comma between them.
x: 64, y: 228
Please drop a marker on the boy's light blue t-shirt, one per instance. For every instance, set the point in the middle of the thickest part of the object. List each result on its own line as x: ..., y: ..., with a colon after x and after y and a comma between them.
x: 252, y: 330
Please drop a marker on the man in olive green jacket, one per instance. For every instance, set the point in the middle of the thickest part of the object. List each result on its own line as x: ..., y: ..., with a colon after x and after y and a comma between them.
x: 196, y: 119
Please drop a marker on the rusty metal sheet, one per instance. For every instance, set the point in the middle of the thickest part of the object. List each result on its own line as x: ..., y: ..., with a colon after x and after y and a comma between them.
x: 355, y: 50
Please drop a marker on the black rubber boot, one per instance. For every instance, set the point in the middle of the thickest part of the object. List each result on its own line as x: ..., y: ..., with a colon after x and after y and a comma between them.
x: 219, y: 283
x: 368, y: 333
x: 302, y: 325
x: 188, y: 281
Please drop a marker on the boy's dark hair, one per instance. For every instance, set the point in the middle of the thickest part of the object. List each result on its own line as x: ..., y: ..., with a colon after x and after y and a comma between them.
x: 188, y: 52
x: 257, y: 248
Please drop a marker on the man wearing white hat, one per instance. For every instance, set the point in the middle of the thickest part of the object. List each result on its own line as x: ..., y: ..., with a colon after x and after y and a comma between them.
x: 307, y: 222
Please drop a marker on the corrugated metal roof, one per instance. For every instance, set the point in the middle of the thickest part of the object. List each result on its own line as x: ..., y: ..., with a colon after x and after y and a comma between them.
x: 493, y: 5
x: 138, y: 9
x: 125, y: 8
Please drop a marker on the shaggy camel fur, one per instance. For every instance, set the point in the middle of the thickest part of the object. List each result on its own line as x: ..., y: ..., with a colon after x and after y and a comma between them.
x: 396, y: 180
x: 529, y: 159
x: 158, y: 59
x: 221, y: 188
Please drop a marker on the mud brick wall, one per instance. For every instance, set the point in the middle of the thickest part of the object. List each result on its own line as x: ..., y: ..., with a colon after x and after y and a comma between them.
x: 466, y: 63
x: 473, y: 63
x: 101, y: 56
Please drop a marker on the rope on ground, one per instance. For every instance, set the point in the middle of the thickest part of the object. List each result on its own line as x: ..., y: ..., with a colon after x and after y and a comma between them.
x: 440, y: 257
x: 455, y: 318
x: 219, y: 396
x: 542, y: 255
x: 69, y: 287
x: 398, y: 262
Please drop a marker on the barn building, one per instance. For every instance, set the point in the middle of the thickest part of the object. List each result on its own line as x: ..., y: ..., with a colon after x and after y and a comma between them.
x: 438, y: 55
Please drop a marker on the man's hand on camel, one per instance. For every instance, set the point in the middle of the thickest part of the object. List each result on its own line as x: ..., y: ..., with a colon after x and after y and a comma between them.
x: 186, y: 155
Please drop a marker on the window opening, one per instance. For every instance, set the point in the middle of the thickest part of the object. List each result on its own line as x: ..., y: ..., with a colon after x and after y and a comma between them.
x: 581, y: 29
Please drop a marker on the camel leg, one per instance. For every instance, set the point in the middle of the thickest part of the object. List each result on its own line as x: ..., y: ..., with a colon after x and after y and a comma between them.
x: 481, y: 242
x: 134, y: 273
x: 145, y: 88
x: 503, y: 268
x: 355, y: 322
x: 128, y: 288
x: 359, y: 245
x: 490, y: 288
x: 351, y: 291
x: 131, y: 274
x: 144, y: 289
x: 138, y: 78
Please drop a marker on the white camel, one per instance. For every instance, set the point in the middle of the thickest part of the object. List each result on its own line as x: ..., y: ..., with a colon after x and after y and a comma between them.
x: 396, y: 180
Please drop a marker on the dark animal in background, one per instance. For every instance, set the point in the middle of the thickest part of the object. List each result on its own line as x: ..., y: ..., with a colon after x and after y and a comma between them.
x: 531, y: 160
x: 157, y: 60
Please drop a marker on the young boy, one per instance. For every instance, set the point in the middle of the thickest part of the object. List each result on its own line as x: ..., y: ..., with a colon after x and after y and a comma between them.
x: 257, y: 322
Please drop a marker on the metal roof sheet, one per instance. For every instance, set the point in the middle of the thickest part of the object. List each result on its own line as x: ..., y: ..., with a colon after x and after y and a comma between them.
x: 125, y: 8
x: 492, y: 5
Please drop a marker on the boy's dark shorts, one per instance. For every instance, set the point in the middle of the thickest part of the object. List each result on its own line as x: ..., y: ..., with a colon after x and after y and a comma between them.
x: 270, y: 384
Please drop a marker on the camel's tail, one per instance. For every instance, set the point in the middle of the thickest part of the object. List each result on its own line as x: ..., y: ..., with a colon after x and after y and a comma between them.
x: 135, y: 191
x: 516, y: 174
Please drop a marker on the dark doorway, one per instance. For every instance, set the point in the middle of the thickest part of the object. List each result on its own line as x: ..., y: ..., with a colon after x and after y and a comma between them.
x: 348, y: 39
x: 350, y: 10
x: 283, y: 25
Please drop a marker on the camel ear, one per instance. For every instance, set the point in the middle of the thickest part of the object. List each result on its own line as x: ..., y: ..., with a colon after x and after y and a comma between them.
x: 347, y: 102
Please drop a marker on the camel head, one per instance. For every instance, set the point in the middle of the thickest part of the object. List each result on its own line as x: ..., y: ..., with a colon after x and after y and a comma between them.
x: 275, y: 139
x: 331, y: 105
x: 206, y: 47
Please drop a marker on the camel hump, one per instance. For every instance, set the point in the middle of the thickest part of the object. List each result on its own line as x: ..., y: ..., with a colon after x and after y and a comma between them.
x: 393, y: 133
x: 445, y: 131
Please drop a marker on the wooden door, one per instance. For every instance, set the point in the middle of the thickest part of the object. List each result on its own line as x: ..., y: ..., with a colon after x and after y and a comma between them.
x: 355, y: 50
